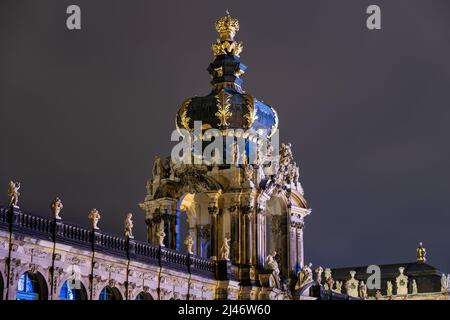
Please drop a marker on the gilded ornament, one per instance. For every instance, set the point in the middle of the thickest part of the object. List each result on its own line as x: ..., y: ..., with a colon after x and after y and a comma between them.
x: 250, y: 116
x: 223, y: 106
x: 219, y: 71
x: 225, y: 47
x: 183, y: 114
x: 227, y: 27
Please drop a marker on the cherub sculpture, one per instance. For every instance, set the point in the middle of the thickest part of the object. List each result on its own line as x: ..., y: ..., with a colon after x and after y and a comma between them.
x: 94, y: 216
x: 128, y: 228
x: 56, y: 208
x: 225, y: 249
x: 13, y: 193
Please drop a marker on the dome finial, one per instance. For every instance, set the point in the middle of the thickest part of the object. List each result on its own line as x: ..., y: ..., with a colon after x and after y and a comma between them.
x: 227, y: 27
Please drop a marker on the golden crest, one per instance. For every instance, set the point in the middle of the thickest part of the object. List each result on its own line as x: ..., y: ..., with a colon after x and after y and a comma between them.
x: 183, y: 114
x: 227, y: 27
x: 223, y: 106
x: 250, y: 116
x: 234, y: 48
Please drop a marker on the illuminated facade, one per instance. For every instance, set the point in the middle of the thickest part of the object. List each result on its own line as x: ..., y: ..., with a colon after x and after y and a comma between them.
x: 228, y: 230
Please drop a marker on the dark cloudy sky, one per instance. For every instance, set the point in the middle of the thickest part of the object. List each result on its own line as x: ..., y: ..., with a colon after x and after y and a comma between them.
x: 83, y: 113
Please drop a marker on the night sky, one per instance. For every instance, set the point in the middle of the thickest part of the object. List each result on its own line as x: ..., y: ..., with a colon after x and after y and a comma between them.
x: 83, y: 113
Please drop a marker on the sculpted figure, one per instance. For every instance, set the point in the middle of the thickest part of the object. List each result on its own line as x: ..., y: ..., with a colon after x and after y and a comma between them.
x: 272, y: 264
x: 225, y: 249
x: 444, y: 283
x: 421, y: 253
x: 189, y: 242
x: 157, y: 167
x: 129, y: 226
x: 94, y: 216
x: 56, y: 208
x: 304, y: 276
x: 329, y: 281
x: 389, y: 288
x: 13, y: 193
x: 338, y: 287
x: 161, y: 234
x: 319, y: 272
x: 362, y: 290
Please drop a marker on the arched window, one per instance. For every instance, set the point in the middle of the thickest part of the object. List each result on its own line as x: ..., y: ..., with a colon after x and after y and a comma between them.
x: 144, y: 296
x: 73, y: 291
x: 109, y: 293
x: 31, y: 286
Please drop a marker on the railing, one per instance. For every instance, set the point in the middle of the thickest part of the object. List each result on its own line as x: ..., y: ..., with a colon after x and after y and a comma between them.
x: 202, y: 265
x: 73, y: 233
x: 144, y: 251
x: 27, y: 224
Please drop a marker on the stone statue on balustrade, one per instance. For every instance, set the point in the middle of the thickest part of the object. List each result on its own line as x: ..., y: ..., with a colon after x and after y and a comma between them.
x: 128, y: 228
x: 444, y: 283
x: 329, y: 281
x: 338, y: 287
x: 13, y: 193
x: 389, y: 288
x: 402, y: 282
x: 94, y: 216
x: 362, y: 290
x: 319, y: 272
x: 56, y: 208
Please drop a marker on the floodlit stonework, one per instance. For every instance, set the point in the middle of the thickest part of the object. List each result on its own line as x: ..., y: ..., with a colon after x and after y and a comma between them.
x: 214, y: 231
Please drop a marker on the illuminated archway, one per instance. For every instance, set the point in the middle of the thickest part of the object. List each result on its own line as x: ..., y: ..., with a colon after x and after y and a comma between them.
x: 31, y: 286
x: 110, y: 293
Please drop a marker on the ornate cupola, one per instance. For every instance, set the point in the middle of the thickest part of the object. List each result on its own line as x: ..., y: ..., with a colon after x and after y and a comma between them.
x: 246, y: 213
x: 227, y: 106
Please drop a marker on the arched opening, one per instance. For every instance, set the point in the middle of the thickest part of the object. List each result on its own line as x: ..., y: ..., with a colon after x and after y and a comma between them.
x: 31, y: 286
x: 110, y: 293
x: 276, y: 232
x: 194, y: 219
x: 144, y: 296
x: 73, y: 290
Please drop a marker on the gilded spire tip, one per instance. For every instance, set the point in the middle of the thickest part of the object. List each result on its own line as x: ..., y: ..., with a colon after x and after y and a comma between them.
x: 227, y: 27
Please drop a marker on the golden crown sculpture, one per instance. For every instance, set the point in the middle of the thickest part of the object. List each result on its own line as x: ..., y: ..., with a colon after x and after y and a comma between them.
x: 227, y: 27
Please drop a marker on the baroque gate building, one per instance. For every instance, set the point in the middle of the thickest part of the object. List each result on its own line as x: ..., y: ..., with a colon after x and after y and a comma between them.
x: 252, y: 210
x: 225, y: 219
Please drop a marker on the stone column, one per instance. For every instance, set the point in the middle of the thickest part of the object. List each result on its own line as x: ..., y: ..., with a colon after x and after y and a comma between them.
x: 213, y: 211
x: 260, y: 238
x: 293, y: 253
x: 248, y: 215
x: 300, y: 244
x: 234, y: 233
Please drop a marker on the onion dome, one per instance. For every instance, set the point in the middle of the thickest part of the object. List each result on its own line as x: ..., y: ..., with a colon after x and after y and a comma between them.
x: 227, y: 106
